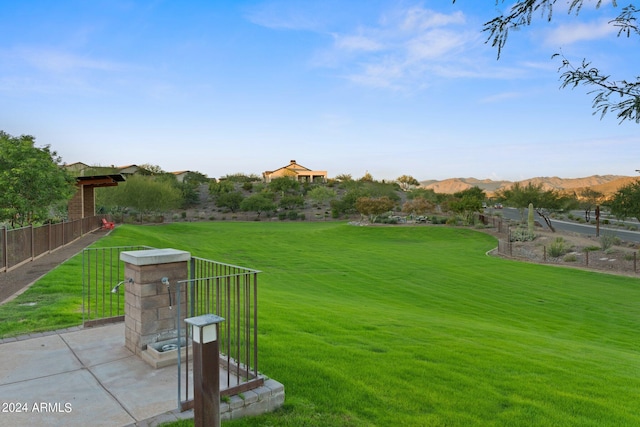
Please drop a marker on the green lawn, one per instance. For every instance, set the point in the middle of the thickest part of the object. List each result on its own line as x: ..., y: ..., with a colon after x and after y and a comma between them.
x: 415, y: 326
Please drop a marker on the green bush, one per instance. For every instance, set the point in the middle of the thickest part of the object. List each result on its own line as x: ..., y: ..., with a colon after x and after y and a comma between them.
x: 607, y: 240
x: 557, y: 248
x: 570, y: 258
x: 292, y: 215
x: 521, y: 234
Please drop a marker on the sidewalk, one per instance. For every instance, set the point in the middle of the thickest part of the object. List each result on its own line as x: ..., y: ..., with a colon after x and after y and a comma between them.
x: 17, y: 280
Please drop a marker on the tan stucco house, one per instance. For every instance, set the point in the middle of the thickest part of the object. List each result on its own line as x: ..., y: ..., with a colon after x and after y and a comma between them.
x: 297, y: 172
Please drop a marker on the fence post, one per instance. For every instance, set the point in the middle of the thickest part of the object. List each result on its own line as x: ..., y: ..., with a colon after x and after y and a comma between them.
x: 635, y: 258
x: 33, y: 242
x: 587, y: 257
x: 5, y: 253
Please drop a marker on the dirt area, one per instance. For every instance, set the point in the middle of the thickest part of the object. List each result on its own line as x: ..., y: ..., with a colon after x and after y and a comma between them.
x: 577, y: 251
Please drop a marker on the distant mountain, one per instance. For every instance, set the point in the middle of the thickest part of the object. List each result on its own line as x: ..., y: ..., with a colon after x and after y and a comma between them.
x: 606, y: 184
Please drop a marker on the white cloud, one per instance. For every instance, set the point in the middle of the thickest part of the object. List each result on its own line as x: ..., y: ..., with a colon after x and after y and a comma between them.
x: 576, y: 32
x: 57, y: 61
x: 405, y: 49
x: 417, y: 18
x: 357, y: 43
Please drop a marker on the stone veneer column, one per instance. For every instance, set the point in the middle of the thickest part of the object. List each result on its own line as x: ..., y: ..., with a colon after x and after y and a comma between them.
x: 148, y: 315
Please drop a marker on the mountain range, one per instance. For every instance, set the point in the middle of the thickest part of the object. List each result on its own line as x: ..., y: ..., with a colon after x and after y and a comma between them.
x: 605, y: 184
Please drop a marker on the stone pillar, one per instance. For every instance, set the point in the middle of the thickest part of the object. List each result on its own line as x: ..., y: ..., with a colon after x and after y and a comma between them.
x: 150, y: 314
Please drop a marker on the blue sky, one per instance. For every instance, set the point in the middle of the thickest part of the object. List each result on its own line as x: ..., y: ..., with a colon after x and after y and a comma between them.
x: 385, y: 87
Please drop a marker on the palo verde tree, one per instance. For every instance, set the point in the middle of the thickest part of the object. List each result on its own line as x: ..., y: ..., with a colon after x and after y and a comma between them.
x: 142, y: 193
x: 467, y: 203
x: 545, y: 202
x: 626, y: 202
x: 407, y: 181
x: 258, y: 203
x: 31, y: 180
x: 372, y: 207
x: 619, y: 95
x: 589, y: 199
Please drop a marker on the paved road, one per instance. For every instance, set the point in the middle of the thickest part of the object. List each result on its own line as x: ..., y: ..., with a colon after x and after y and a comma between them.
x: 572, y: 227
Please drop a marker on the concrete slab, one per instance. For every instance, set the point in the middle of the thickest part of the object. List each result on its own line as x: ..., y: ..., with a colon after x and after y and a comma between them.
x: 96, y: 346
x: 86, y: 377
x: 67, y: 399
x: 34, y: 358
x: 143, y: 391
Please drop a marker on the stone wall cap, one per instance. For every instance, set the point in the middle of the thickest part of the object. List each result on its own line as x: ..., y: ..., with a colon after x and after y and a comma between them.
x: 154, y: 256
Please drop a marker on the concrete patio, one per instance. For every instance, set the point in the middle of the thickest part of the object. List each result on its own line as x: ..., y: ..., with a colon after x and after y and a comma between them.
x: 87, y: 377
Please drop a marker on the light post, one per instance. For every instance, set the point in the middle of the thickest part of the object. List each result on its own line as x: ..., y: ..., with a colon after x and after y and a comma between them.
x: 206, y: 370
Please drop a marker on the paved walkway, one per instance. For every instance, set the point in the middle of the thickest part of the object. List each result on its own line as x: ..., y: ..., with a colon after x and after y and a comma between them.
x: 83, y: 377
x: 17, y: 280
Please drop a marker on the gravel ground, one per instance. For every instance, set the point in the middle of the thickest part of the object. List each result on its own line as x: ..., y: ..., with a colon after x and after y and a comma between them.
x: 17, y: 280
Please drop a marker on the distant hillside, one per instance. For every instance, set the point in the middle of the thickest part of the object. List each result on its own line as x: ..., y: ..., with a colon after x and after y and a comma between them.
x: 606, y: 184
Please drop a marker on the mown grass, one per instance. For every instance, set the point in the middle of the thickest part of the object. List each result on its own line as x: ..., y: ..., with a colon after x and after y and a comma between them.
x: 416, y: 326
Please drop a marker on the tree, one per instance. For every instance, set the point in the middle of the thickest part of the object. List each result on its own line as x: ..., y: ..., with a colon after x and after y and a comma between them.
x: 467, y: 202
x: 418, y: 206
x: 31, y: 180
x: 620, y: 95
x: 626, y: 202
x: 146, y: 194
x: 406, y: 181
x: 221, y: 187
x: 231, y: 200
x: 588, y: 199
x: 545, y: 202
x: 257, y: 203
x: 283, y: 185
x: 321, y: 194
x: 374, y: 206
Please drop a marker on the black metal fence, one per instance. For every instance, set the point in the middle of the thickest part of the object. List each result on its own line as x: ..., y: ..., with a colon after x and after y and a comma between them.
x: 102, y: 271
x: 212, y: 287
x: 21, y: 245
x: 230, y: 292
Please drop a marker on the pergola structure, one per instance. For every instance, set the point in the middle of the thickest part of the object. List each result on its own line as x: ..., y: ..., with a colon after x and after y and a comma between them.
x: 83, y: 203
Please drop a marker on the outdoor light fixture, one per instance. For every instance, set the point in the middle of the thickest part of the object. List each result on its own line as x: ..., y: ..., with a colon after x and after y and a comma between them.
x: 206, y: 369
x: 205, y: 329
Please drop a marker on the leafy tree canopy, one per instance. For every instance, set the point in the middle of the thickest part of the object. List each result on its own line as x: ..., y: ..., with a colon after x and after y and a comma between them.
x: 616, y: 94
x: 31, y: 180
x: 406, y: 181
x: 626, y: 202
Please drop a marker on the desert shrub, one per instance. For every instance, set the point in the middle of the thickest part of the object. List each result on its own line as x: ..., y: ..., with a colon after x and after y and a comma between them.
x: 282, y: 216
x: 607, y: 240
x: 452, y: 221
x: 292, y: 215
x: 629, y: 256
x: 301, y: 216
x: 521, y: 234
x: 570, y: 258
x: 591, y: 248
x: 557, y: 248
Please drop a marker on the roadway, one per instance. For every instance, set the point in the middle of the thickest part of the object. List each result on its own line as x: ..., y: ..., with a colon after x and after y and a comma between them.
x: 572, y: 227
